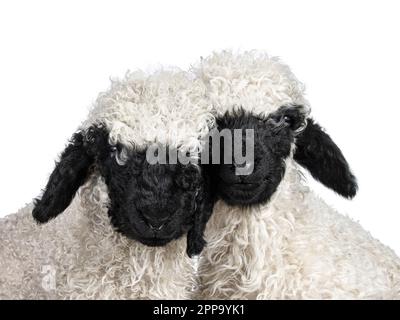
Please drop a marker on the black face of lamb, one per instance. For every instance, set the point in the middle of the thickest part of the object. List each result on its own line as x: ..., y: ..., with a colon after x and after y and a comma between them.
x: 272, y: 146
x: 273, y: 140
x: 153, y: 204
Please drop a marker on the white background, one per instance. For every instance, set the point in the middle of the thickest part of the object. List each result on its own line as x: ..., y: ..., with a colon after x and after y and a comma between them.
x: 55, y: 56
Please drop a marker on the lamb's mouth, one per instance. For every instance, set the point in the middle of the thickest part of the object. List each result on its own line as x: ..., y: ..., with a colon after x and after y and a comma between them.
x: 155, y: 242
x: 152, y: 241
x: 245, y: 185
x: 241, y: 193
x: 242, y: 187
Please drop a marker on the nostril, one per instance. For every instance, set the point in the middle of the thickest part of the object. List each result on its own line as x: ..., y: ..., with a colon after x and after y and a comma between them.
x: 156, y: 227
x: 155, y: 223
x: 154, y: 220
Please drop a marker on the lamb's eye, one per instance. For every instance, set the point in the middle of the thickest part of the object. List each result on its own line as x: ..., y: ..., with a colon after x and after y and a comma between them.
x: 287, y: 119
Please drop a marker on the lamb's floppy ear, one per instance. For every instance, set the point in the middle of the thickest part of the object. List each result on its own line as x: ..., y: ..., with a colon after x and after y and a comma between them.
x: 203, y: 204
x: 69, y: 174
x: 290, y: 118
x: 316, y: 151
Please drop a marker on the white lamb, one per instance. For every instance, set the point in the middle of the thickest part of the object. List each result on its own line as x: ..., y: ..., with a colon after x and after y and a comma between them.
x: 270, y: 236
x: 121, y: 237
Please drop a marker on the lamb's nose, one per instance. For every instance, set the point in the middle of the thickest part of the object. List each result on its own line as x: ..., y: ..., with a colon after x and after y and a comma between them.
x: 155, y: 223
x: 156, y: 226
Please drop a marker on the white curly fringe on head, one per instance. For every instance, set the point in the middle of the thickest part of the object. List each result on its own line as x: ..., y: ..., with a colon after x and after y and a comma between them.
x: 166, y: 107
x: 252, y: 80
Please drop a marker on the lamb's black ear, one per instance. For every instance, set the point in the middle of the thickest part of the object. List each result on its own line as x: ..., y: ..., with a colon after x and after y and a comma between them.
x: 316, y: 151
x: 69, y: 174
x: 288, y: 117
x: 204, y: 203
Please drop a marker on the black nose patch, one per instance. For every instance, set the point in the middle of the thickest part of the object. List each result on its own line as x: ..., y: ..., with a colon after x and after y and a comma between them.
x: 155, y: 222
x: 156, y: 227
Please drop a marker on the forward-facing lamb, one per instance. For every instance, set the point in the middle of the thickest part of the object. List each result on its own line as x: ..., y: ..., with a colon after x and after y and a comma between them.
x: 270, y: 236
x: 122, y: 237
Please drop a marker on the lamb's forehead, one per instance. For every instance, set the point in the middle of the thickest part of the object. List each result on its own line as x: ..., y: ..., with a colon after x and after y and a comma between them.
x: 166, y: 107
x: 251, y: 80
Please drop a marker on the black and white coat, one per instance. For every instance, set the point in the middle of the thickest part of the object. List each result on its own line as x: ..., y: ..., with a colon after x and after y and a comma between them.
x: 270, y: 236
x: 119, y: 223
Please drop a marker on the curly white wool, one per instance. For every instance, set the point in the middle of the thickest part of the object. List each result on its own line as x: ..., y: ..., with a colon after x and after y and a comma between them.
x: 295, y: 246
x: 166, y: 107
x: 252, y: 80
x: 89, y: 259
